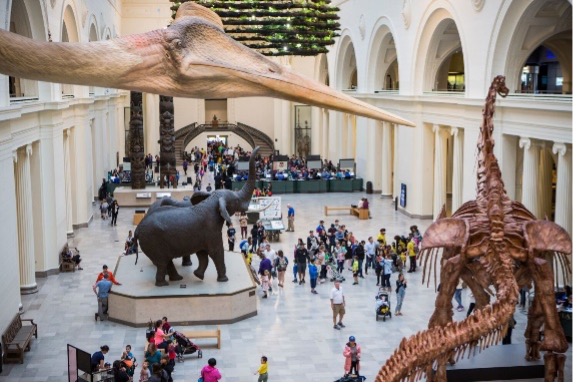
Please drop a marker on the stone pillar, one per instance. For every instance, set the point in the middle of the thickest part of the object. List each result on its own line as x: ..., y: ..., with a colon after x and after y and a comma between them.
x: 151, y: 118
x: 529, y: 196
x: 457, y: 169
x: 25, y: 223
x: 564, y: 193
x: 67, y: 183
x: 440, y: 170
x: 387, y: 160
x: 546, y: 182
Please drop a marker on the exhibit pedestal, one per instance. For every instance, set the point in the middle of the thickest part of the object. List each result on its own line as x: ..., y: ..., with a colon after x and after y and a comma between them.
x: 497, y: 363
x: 126, y: 196
x: 189, y: 301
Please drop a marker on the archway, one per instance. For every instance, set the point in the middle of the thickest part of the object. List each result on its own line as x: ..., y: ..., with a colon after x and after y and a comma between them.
x: 26, y: 19
x: 346, y: 65
x: 441, y: 58
x: 69, y: 34
x: 383, y: 73
x: 534, y: 47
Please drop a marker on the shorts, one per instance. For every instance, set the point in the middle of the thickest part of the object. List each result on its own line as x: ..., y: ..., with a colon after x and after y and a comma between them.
x: 302, y: 267
x: 355, y: 274
x: 339, y: 309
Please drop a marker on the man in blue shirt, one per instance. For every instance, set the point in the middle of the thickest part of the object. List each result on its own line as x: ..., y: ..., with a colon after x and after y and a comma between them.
x: 103, y: 287
x: 291, y: 218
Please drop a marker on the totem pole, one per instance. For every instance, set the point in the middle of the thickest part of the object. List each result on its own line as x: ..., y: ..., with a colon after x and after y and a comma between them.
x: 136, y: 142
x: 167, y: 157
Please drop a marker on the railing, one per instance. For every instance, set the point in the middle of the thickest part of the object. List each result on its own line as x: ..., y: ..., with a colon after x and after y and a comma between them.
x: 257, y: 134
x: 537, y: 97
x: 67, y: 96
x: 183, y: 131
x: 390, y: 92
x: 23, y: 99
x: 459, y: 94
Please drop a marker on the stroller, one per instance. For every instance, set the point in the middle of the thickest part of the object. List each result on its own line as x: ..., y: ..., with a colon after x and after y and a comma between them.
x: 382, y: 305
x: 185, y: 346
x: 332, y: 272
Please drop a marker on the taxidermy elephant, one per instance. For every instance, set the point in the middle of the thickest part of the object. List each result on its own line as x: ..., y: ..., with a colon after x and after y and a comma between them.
x: 170, y: 231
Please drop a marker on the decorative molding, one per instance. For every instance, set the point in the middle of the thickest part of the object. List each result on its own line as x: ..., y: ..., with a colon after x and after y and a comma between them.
x: 84, y: 17
x: 406, y: 13
x: 15, y: 156
x: 362, y: 27
x: 436, y: 128
x: 478, y: 4
x: 454, y: 131
x: 53, y: 3
x: 525, y: 143
x: 29, y: 150
x: 559, y: 148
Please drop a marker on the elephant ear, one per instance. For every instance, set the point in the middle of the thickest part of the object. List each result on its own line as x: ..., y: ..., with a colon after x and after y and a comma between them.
x: 547, y: 236
x: 445, y: 233
x: 198, y: 197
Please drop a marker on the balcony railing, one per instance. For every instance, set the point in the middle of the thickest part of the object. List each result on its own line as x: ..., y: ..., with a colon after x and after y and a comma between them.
x: 23, y: 99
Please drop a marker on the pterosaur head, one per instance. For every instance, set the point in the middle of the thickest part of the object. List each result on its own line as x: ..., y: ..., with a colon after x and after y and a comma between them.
x: 193, y: 58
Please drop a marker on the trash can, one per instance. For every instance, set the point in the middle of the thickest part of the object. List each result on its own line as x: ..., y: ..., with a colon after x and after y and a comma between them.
x: 369, y: 187
x: 396, y: 203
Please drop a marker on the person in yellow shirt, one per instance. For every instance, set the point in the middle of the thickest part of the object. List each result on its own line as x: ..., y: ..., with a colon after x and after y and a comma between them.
x: 382, y: 238
x: 263, y: 370
x: 412, y: 255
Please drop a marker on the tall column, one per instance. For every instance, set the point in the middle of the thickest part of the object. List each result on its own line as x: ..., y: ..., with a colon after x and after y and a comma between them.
x: 25, y: 224
x: 529, y: 196
x: 457, y: 168
x: 440, y: 173
x: 563, y: 193
x: 546, y: 182
x: 67, y: 183
x: 387, y: 156
x: 151, y: 118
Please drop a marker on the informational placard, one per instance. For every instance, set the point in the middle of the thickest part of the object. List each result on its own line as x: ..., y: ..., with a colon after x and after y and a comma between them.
x: 347, y: 164
x: 271, y: 207
x: 403, y: 197
x: 314, y: 164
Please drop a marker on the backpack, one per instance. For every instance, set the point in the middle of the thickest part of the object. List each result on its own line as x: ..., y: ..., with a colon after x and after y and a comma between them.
x: 281, y: 262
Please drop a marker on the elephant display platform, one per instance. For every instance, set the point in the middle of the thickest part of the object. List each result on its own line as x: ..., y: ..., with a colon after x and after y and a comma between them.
x: 127, y: 197
x: 205, y: 302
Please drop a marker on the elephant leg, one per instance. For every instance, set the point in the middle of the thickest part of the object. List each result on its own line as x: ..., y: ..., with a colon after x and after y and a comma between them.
x: 202, y: 264
x: 217, y: 256
x: 161, y: 275
x: 554, y: 339
x: 186, y: 260
x: 172, y: 273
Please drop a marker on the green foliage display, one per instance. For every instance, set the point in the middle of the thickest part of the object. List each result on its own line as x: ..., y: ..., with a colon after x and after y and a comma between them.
x: 277, y: 27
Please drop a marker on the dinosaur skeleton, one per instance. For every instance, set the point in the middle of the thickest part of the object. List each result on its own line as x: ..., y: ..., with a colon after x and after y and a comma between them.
x: 191, y: 58
x: 495, y: 242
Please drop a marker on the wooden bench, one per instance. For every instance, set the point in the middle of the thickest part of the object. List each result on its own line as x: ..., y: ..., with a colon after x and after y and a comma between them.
x: 361, y: 213
x: 17, y: 338
x: 66, y: 263
x: 196, y: 334
x: 339, y: 208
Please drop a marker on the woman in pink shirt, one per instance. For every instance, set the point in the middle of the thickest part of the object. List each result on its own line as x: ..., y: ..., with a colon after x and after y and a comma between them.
x: 160, y: 336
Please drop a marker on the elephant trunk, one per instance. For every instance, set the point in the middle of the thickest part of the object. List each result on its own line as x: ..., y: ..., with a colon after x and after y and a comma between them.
x: 245, y: 194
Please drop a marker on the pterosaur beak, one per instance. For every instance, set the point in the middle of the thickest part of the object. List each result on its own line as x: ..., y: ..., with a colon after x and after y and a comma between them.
x: 191, y: 58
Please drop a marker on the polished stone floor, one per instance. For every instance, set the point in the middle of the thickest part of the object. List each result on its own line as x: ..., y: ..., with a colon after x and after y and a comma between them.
x: 293, y: 327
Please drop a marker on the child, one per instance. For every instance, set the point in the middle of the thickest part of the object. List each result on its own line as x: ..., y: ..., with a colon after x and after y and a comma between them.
x: 265, y: 281
x: 104, y: 210
x: 356, y: 270
x: 263, y: 370
x: 171, y: 349
x: 314, y: 273
x: 144, y: 372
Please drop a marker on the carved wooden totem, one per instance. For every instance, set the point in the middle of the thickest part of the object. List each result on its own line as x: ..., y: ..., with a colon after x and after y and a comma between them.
x: 167, y: 155
x: 136, y: 142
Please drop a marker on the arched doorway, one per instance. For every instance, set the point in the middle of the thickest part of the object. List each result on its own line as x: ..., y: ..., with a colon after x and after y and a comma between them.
x: 347, y: 79
x: 383, y: 74
x: 25, y: 21
x: 69, y: 34
x: 534, y: 47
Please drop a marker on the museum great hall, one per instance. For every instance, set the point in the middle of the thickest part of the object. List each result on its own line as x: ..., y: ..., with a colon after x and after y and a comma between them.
x: 427, y: 61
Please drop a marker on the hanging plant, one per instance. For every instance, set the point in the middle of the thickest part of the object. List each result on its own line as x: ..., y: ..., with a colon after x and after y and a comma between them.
x: 277, y: 27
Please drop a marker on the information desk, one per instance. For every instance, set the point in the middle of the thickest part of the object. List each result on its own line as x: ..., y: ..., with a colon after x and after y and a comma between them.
x: 306, y: 186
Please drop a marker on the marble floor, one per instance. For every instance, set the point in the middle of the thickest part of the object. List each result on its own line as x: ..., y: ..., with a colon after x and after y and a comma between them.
x: 293, y: 327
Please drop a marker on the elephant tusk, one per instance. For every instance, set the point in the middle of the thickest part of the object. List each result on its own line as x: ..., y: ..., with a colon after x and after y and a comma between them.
x: 191, y: 58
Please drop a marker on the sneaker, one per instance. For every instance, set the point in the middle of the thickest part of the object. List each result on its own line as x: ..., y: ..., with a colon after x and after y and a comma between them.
x: 341, y: 324
x: 80, y: 268
x: 95, y: 316
x: 294, y: 281
x: 270, y: 289
x: 337, y: 327
x: 304, y: 281
x: 355, y: 283
x: 315, y: 292
x: 460, y: 308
